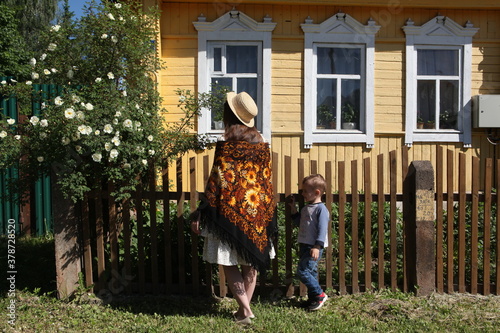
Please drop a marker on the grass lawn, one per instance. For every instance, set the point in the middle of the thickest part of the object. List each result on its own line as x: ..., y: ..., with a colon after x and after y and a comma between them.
x: 37, y: 310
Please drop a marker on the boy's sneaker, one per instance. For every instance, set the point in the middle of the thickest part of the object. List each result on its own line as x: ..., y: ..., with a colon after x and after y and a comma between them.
x: 317, y: 303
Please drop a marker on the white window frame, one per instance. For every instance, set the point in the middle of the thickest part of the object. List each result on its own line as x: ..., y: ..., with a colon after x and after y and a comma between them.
x: 339, y: 30
x: 439, y: 33
x: 235, y: 26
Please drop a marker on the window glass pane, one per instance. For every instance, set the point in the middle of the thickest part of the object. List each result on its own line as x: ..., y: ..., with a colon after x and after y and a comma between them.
x: 326, y: 103
x: 249, y: 85
x: 448, y: 104
x: 217, y: 59
x: 241, y: 59
x: 426, y: 103
x: 350, y: 102
x: 217, y: 110
x: 336, y: 60
x: 437, y: 62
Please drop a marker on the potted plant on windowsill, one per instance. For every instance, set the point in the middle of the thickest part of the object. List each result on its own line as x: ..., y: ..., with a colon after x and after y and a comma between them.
x: 420, y: 123
x: 429, y: 124
x: 326, y: 117
x: 218, y: 122
x: 349, y: 117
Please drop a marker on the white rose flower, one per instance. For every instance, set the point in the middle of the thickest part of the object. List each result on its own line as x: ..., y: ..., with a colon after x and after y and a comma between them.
x: 118, y: 5
x: 65, y: 141
x: 44, y: 123
x: 114, y: 39
x: 108, y: 146
x: 3, y: 82
x: 43, y: 135
x: 138, y: 124
x: 34, y: 120
x: 113, y: 153
x: 55, y: 28
x: 111, y: 76
x: 40, y: 159
x: 97, y: 157
x: 89, y: 106
x: 124, y: 93
x: 46, y: 72
x: 115, y: 121
x: 150, y: 138
x: 76, y: 136
x: 78, y: 148
x: 69, y: 113
x: 11, y: 121
x: 58, y: 101
x: 127, y: 166
x: 111, y: 17
x: 43, y: 105
x: 145, y: 162
x: 70, y: 74
x: 17, y: 137
x: 108, y: 128
x: 127, y: 123
x: 3, y: 134
x: 121, y: 18
x: 116, y: 141
x: 151, y: 152
x: 75, y: 98
x: 52, y: 47
x: 118, y: 114
x: 82, y: 129
x: 80, y: 115
x: 88, y: 130
x: 43, y: 56
x: 29, y: 83
x: 104, y: 36
x: 97, y: 132
x: 35, y: 76
x: 53, y: 70
x: 33, y: 62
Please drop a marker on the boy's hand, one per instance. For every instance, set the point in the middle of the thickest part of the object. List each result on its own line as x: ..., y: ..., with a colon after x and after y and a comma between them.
x: 315, y: 253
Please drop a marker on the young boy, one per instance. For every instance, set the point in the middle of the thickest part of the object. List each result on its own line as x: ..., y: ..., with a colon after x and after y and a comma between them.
x: 313, y: 222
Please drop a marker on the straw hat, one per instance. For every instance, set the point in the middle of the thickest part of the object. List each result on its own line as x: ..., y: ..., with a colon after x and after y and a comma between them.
x: 243, y: 107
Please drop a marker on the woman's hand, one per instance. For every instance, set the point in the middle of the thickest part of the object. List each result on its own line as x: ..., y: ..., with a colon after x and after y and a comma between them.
x: 195, y: 227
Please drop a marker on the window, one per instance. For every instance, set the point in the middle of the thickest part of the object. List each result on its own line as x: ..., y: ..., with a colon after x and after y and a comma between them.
x: 237, y: 67
x: 338, y: 82
x: 235, y: 51
x: 438, y: 76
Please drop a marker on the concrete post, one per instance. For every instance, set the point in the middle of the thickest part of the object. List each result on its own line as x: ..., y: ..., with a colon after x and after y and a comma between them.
x: 66, y: 239
x: 420, y: 231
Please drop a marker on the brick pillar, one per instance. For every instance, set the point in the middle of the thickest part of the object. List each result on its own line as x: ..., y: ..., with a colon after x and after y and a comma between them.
x: 420, y: 231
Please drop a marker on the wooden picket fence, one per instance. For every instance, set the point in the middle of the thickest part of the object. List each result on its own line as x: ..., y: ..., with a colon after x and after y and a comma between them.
x: 144, y: 245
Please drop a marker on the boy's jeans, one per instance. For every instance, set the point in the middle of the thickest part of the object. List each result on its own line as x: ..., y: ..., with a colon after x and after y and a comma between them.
x: 307, y: 270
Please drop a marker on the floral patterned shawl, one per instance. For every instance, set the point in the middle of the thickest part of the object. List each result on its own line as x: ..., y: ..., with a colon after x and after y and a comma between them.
x: 239, y: 201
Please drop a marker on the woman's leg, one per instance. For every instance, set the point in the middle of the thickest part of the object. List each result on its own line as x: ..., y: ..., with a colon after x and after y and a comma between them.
x: 237, y: 285
x: 250, y: 279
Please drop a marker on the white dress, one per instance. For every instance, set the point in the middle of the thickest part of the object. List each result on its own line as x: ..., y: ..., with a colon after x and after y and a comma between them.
x: 217, y: 252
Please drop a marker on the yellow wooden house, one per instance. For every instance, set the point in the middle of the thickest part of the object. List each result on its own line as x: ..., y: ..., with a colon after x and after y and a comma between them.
x: 342, y: 80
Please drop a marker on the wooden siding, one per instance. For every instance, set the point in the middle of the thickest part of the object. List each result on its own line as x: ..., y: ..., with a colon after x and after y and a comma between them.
x: 179, y: 51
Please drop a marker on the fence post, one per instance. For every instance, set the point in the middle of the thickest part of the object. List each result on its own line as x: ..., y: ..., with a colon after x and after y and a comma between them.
x: 420, y: 233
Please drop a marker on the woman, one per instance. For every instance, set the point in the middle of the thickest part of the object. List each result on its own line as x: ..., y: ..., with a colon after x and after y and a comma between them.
x: 237, y: 212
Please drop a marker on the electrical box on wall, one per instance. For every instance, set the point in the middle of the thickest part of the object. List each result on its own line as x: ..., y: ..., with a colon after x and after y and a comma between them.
x: 486, y: 111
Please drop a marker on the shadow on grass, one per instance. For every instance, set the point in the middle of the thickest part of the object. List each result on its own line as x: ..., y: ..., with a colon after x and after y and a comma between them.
x: 34, y: 262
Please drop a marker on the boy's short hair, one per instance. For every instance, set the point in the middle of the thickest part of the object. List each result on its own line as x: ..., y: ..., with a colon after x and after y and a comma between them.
x: 316, y: 181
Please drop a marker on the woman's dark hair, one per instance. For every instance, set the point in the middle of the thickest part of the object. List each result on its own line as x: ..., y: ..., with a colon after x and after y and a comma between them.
x: 235, y: 130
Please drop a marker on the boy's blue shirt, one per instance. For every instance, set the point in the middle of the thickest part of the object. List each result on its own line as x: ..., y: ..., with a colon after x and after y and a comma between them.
x: 313, y: 224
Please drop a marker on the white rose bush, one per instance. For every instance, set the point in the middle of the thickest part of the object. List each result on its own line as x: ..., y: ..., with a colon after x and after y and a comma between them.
x: 103, y: 122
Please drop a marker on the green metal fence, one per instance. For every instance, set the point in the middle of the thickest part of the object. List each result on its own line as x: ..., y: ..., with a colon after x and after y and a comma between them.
x: 40, y: 211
